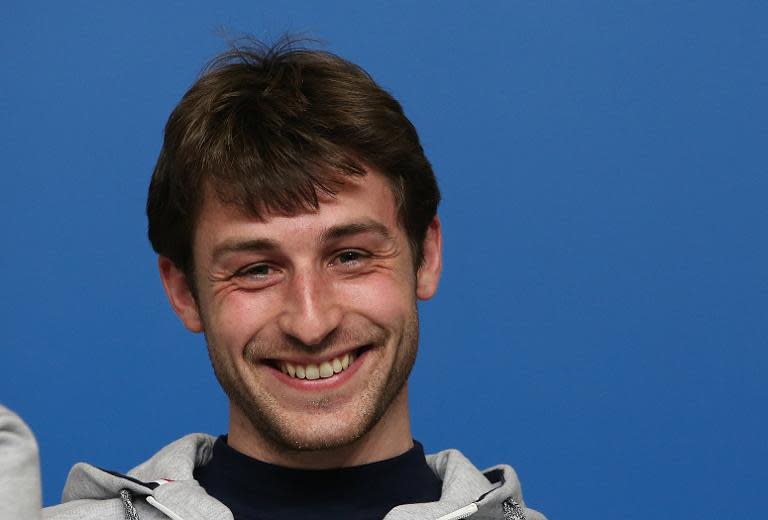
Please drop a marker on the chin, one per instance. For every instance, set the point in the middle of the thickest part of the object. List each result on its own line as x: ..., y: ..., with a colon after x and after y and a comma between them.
x: 318, y: 440
x: 318, y: 431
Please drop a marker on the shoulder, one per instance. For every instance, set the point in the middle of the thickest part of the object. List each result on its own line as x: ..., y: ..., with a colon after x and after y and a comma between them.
x: 93, y: 493
x: 496, y: 491
x: 86, y: 509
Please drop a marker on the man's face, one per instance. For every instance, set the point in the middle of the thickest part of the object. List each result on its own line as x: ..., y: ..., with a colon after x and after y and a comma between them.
x: 311, y: 319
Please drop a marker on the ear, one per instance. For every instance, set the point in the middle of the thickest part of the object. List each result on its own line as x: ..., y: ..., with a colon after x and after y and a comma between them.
x: 428, y: 274
x: 180, y: 294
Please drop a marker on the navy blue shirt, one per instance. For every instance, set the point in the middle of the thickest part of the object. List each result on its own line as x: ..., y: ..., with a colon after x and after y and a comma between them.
x: 255, y: 490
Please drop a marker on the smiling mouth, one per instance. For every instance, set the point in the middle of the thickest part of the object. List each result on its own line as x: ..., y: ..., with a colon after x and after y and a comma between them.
x: 321, y: 370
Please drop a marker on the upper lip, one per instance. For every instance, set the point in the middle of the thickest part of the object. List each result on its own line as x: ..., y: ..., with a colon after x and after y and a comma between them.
x: 317, y: 360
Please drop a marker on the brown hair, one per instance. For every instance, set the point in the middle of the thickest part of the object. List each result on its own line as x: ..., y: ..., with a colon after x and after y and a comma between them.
x: 272, y: 128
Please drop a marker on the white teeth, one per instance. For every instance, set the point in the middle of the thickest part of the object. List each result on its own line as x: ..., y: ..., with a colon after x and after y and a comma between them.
x: 312, y: 372
x: 324, y: 370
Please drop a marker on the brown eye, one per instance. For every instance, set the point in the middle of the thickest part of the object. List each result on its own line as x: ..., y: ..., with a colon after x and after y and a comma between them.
x: 256, y: 271
x: 350, y: 259
x: 349, y: 256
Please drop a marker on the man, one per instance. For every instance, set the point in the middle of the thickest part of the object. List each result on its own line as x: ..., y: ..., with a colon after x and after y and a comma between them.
x: 294, y: 215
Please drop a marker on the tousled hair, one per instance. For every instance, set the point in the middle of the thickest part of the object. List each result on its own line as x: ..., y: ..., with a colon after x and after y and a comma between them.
x: 273, y: 129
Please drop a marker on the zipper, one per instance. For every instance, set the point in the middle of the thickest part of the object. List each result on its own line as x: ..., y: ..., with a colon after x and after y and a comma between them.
x: 459, y: 514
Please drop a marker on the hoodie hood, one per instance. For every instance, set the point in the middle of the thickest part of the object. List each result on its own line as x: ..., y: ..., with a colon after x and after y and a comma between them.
x: 163, y: 487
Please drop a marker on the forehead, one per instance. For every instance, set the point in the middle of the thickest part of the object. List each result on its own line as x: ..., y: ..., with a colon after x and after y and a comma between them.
x: 368, y: 198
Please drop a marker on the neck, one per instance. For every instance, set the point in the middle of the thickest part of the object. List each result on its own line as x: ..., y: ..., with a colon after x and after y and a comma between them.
x: 389, y: 437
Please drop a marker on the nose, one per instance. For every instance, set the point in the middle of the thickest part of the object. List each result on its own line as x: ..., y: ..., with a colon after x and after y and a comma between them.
x: 311, y: 312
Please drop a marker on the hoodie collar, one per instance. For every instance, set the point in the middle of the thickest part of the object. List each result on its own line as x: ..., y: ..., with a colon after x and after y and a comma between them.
x: 167, y: 477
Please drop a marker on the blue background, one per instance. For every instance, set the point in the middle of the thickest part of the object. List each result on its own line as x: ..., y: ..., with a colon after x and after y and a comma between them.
x: 602, y: 321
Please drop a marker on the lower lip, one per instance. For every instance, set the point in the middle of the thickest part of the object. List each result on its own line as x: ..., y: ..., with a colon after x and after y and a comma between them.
x: 328, y: 383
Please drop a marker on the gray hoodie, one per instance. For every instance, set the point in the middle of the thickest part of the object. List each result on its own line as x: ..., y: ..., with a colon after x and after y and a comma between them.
x: 163, y: 487
x: 19, y: 469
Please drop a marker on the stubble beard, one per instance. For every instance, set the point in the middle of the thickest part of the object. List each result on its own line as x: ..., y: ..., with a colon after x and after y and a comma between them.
x: 266, y: 416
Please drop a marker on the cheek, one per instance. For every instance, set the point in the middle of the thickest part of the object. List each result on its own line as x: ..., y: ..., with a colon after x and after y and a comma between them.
x: 237, y: 317
x: 382, y: 299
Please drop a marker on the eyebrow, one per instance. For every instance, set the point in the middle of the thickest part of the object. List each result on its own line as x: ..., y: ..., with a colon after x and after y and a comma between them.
x: 263, y: 245
x: 356, y: 228
x: 257, y: 245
